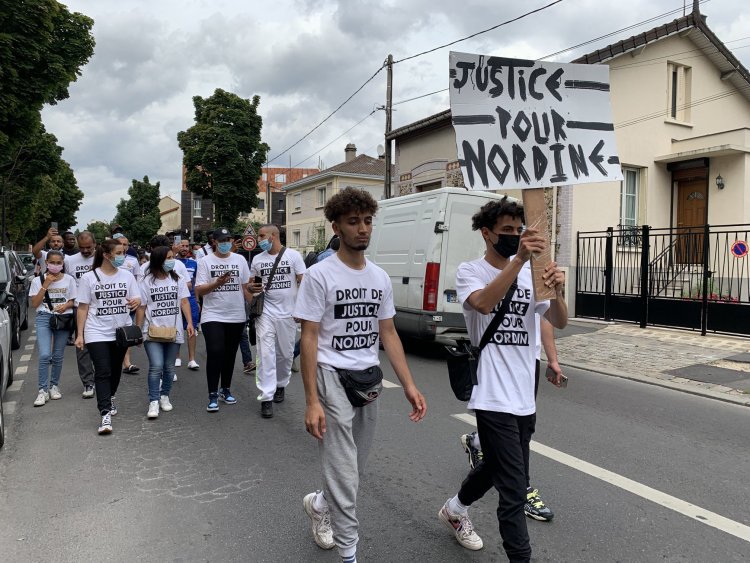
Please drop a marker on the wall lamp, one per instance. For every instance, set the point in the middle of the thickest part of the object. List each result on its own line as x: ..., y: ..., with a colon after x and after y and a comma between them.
x: 720, y: 182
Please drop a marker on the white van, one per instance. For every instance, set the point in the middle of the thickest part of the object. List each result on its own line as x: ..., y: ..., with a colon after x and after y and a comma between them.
x: 420, y: 240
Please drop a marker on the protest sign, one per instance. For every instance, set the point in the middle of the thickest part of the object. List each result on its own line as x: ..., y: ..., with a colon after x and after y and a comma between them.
x: 531, y: 124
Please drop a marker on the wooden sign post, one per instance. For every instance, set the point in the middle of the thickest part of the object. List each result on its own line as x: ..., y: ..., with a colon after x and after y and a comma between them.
x: 535, y: 211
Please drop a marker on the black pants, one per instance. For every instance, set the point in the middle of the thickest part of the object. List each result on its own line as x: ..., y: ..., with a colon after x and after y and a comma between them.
x: 222, y: 342
x: 505, y: 437
x: 107, y: 359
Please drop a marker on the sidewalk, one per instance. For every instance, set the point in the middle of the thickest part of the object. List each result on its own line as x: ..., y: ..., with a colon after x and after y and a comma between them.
x: 710, y: 366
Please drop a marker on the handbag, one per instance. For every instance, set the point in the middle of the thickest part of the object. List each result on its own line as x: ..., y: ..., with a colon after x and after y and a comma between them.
x: 255, y: 309
x: 463, y: 358
x: 126, y: 336
x: 362, y: 386
x: 163, y: 333
x: 58, y: 322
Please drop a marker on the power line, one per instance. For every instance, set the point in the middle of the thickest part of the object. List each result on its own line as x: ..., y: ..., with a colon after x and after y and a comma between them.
x: 522, y: 16
x: 673, y: 56
x: 418, y: 97
x: 330, y: 115
x: 336, y: 139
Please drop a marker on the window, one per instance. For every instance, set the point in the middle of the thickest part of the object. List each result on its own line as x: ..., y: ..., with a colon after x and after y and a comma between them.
x: 280, y: 178
x: 265, y: 176
x: 321, y: 197
x: 629, y: 189
x: 297, y: 201
x: 197, y: 208
x: 320, y: 233
x: 679, y: 88
x: 261, y: 203
x: 295, y: 239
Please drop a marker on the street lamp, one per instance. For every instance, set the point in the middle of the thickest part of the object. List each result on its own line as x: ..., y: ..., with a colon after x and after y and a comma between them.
x: 720, y: 182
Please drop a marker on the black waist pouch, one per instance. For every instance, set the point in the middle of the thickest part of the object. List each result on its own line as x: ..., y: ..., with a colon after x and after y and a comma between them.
x: 362, y: 386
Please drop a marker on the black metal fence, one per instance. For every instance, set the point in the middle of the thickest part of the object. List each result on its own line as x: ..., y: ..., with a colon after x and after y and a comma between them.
x: 688, y: 277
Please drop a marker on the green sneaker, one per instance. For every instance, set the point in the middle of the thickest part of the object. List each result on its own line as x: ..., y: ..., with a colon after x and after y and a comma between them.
x: 535, y: 507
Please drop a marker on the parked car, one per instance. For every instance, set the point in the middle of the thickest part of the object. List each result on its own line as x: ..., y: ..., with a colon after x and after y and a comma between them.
x: 15, y: 281
x: 28, y: 261
x: 6, y: 365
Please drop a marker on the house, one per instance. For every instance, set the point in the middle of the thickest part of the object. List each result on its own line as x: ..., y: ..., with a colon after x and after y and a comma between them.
x: 169, y: 210
x: 681, y: 107
x: 274, y: 179
x: 306, y: 226
x: 197, y: 213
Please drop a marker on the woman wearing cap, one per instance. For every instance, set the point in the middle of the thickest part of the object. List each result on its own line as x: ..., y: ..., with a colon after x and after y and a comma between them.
x: 222, y: 280
x: 53, y: 293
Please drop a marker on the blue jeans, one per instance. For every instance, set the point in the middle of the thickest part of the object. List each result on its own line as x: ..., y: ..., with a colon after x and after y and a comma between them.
x: 247, y: 354
x: 161, y: 357
x: 51, y: 349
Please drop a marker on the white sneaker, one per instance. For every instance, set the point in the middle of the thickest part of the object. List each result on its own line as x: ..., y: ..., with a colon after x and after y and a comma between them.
x: 88, y: 392
x: 41, y: 398
x: 295, y: 364
x: 164, y: 403
x: 178, y: 363
x: 106, y: 425
x: 462, y: 528
x: 153, y: 409
x: 174, y: 378
x: 321, y: 523
x: 193, y: 365
x: 54, y: 393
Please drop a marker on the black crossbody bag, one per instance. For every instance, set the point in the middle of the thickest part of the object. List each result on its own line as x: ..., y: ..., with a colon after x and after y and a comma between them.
x: 255, y: 309
x: 58, y: 322
x: 362, y: 386
x: 126, y: 336
x: 463, y: 358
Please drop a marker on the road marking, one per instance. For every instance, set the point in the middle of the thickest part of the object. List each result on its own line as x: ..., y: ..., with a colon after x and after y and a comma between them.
x: 668, y: 501
x: 16, y: 385
x: 9, y: 407
x: 25, y: 357
x: 390, y: 385
x: 31, y: 338
x: 28, y: 347
x: 20, y: 370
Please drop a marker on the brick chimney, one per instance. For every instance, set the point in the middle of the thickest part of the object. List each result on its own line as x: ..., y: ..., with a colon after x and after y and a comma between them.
x: 350, y: 152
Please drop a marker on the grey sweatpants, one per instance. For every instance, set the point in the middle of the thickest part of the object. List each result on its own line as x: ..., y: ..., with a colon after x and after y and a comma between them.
x: 85, y: 367
x: 344, y: 450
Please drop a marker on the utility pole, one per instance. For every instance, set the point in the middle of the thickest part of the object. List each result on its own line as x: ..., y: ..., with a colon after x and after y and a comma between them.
x: 388, y: 112
x: 268, y: 195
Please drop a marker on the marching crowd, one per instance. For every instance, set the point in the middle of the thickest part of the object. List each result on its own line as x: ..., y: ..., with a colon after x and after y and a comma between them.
x: 110, y: 300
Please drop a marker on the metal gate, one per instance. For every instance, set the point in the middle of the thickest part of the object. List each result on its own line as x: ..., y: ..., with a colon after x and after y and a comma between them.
x: 696, y: 278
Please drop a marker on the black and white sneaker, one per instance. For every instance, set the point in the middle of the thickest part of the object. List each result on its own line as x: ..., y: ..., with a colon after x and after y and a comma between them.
x: 475, y: 455
x: 106, y: 426
x: 535, y: 507
x: 113, y: 407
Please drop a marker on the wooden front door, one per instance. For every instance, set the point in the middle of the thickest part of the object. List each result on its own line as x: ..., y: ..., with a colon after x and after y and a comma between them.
x: 692, y: 215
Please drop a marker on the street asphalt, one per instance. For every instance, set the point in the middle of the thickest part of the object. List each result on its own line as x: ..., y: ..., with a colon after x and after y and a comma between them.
x: 194, y: 486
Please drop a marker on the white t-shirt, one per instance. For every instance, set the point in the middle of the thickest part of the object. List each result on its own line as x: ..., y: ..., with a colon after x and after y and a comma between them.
x: 162, y: 299
x: 538, y: 321
x: 60, y: 292
x: 132, y: 265
x: 348, y: 305
x: 107, y: 299
x: 280, y: 298
x: 506, y: 367
x: 76, y: 265
x: 226, y: 303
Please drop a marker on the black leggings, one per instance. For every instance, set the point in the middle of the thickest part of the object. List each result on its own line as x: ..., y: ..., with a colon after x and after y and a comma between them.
x: 107, y: 359
x: 222, y: 342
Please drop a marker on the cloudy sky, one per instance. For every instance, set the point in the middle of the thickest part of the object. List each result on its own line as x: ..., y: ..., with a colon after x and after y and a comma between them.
x: 303, y: 57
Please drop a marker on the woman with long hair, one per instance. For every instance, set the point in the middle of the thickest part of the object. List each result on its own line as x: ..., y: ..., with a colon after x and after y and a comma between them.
x: 106, y: 295
x: 163, y: 295
x: 52, y: 293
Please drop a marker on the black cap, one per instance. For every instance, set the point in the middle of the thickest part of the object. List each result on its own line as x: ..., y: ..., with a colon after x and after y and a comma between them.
x: 222, y: 234
x: 117, y: 229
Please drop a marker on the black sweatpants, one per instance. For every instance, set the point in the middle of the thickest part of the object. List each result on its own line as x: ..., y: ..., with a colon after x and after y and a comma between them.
x: 222, y: 342
x: 107, y: 359
x: 505, y: 437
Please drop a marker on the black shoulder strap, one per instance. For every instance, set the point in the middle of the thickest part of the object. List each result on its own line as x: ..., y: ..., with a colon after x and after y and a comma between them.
x: 96, y: 275
x: 498, y: 318
x: 275, y: 265
x: 47, y: 300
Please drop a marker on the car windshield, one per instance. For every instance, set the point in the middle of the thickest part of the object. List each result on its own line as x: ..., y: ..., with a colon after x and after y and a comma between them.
x: 3, y: 269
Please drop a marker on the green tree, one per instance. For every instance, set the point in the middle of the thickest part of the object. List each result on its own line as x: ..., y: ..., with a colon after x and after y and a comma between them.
x: 223, y: 153
x: 100, y: 229
x: 139, y: 214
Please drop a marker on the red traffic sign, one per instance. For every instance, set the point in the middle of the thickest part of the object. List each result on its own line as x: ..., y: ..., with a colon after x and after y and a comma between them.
x: 739, y: 249
x: 249, y: 243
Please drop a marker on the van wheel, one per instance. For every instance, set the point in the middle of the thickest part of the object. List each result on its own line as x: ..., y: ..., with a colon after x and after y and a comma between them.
x: 10, y: 370
x: 15, y: 342
x: 25, y: 323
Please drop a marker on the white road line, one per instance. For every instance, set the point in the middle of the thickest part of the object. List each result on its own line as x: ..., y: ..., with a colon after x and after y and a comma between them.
x: 28, y: 347
x: 668, y: 501
x: 390, y: 385
x: 31, y: 338
x: 20, y: 370
x: 16, y: 385
x: 25, y: 357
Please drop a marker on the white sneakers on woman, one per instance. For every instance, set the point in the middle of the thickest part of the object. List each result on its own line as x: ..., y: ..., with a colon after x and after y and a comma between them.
x: 153, y: 409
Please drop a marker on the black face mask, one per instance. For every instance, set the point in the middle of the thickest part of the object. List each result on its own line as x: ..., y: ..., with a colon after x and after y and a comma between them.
x: 507, y: 245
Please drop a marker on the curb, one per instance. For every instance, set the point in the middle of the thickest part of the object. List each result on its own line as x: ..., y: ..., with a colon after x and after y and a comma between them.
x: 743, y: 401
